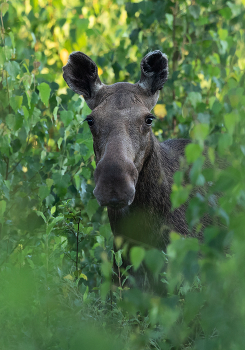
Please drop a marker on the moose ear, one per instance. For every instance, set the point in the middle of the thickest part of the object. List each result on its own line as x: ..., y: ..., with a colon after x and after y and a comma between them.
x: 81, y: 75
x: 154, y: 71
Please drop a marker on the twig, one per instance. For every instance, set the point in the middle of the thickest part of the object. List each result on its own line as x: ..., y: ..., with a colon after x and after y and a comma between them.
x: 77, y: 244
x: 7, y: 169
x: 69, y: 257
x: 15, y: 166
x: 120, y: 282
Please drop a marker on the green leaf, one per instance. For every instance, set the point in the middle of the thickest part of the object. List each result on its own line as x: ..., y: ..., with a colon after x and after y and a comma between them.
x: 35, y: 116
x: 53, y: 210
x: 154, y: 260
x: 192, y: 152
x: 216, y: 107
x: 26, y: 113
x: 223, y: 33
x: 2, y: 56
x: 203, y: 118
x: 15, y: 102
x: 104, y: 289
x: 106, y: 268
x: 86, y: 173
x: 194, y: 98
x: 225, y: 140
x: 3, y: 98
x: 179, y: 195
x: 201, y: 131
x: 226, y: 13
x: 13, y: 69
x: 59, y: 142
x: 10, y: 121
x: 2, y: 207
x: 231, y: 120
x: 77, y: 181
x: 92, y: 207
x: 44, y: 90
x: 49, y: 182
x: 86, y: 110
x: 170, y: 18
x: 194, y: 11
x: 43, y: 192
x: 81, y: 26
x: 136, y: 256
x: 105, y: 231
x: 234, y: 99
x: 178, y: 177
x: 195, y: 174
x: 53, y: 223
x: 55, y: 112
x: 16, y: 145
x: 66, y: 117
x: 4, y: 8
x: 12, y: 39
x: 8, y: 53
x: 118, y: 257
x: 211, y: 155
x: 39, y: 213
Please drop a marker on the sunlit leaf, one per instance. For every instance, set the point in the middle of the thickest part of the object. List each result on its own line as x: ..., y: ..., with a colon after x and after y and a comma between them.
x: 160, y: 111
x: 4, y: 8
x: 66, y: 117
x: 64, y: 55
x: 44, y: 90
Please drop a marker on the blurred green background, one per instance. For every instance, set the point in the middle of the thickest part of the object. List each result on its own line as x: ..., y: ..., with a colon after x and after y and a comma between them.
x: 55, y: 241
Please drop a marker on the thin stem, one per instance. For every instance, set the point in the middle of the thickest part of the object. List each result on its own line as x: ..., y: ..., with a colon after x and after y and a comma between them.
x: 69, y: 257
x: 7, y: 168
x: 77, y: 244
x: 15, y: 166
x: 47, y: 276
x: 120, y: 282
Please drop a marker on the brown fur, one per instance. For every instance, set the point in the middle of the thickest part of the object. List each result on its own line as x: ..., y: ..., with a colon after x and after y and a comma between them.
x: 134, y: 171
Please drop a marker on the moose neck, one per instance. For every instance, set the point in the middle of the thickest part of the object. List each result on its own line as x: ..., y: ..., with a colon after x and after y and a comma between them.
x: 140, y: 222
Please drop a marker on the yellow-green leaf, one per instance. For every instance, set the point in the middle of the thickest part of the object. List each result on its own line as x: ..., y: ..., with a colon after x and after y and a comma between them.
x: 44, y: 90
x: 4, y: 8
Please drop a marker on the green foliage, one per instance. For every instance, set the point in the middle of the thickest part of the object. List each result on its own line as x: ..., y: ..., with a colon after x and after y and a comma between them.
x: 56, y: 248
x: 136, y: 256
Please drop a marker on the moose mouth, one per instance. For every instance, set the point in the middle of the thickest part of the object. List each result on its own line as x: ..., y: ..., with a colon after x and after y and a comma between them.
x: 113, y: 202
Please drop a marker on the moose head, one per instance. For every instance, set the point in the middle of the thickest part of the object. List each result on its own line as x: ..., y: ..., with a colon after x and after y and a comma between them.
x: 120, y: 123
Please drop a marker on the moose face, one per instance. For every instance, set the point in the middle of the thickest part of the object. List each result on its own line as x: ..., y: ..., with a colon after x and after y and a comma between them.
x: 121, y: 129
x: 120, y: 123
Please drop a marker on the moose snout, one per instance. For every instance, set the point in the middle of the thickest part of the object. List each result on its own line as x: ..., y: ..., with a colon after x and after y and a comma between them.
x: 115, y: 183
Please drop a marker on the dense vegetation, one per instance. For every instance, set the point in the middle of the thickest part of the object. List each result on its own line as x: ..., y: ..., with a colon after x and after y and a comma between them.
x: 55, y: 241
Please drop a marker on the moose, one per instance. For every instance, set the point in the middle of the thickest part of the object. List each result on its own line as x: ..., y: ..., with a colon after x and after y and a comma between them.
x: 134, y: 172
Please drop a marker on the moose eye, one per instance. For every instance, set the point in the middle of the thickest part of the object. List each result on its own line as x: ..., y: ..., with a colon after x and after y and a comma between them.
x: 90, y: 121
x: 149, y: 119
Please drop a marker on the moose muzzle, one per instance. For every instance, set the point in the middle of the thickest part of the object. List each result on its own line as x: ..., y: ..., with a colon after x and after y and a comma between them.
x: 115, y: 182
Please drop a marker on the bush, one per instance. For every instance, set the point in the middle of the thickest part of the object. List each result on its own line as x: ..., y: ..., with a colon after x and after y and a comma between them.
x: 56, y: 243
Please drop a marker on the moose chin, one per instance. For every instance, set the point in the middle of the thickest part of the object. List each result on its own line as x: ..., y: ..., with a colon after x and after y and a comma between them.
x: 134, y: 172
